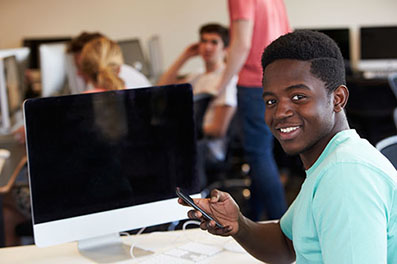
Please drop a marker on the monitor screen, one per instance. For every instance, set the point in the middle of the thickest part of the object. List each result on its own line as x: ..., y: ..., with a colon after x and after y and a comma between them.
x: 97, y: 157
x: 22, y: 55
x: 378, y: 42
x: 34, y: 43
x: 341, y: 36
x: 133, y: 55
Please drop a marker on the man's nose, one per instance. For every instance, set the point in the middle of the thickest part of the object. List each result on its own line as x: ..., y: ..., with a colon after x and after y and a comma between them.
x: 284, y: 109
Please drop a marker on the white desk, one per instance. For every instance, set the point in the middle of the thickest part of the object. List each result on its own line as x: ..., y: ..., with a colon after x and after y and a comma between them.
x: 158, y: 242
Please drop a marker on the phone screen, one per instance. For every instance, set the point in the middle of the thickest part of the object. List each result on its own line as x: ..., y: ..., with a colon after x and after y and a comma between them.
x: 187, y: 199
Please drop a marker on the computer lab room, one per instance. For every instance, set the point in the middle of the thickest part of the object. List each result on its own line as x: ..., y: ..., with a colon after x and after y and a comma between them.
x: 181, y: 131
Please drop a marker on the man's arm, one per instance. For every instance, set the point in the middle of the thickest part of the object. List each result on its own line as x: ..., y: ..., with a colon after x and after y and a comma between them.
x: 240, y: 46
x: 222, y: 116
x: 170, y: 76
x: 264, y: 241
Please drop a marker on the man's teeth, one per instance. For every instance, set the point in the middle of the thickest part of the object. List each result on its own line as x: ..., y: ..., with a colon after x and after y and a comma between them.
x: 288, y: 129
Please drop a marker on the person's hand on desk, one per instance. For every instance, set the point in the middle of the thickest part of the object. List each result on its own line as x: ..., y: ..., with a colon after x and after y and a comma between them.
x: 220, y: 206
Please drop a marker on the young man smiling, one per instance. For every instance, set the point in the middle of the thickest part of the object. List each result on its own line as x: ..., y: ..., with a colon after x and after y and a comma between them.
x: 346, y: 211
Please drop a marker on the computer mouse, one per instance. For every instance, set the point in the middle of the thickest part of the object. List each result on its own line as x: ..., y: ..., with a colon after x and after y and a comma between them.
x: 4, y: 153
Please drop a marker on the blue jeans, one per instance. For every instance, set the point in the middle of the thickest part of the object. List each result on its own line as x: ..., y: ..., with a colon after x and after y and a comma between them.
x: 267, y: 192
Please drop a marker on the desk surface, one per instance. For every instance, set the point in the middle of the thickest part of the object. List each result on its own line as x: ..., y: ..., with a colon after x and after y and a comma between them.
x: 157, y: 241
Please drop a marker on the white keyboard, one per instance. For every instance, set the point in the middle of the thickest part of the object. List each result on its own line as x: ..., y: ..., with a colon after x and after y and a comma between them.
x: 200, y: 248
x: 188, y: 253
x: 165, y: 259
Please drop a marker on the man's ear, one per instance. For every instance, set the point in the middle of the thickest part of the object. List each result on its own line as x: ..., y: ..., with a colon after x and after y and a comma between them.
x: 341, y: 95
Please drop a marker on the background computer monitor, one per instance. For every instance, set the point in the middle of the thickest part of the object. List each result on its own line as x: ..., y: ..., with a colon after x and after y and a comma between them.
x: 378, y: 49
x: 11, y: 93
x: 53, y: 68
x: 378, y: 42
x: 107, y: 162
x: 133, y: 55
x: 155, y: 58
x: 34, y: 43
x: 75, y: 82
x: 22, y: 56
x: 342, y: 37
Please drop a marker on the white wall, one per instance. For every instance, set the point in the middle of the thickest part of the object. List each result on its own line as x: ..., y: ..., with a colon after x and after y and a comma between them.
x: 176, y: 21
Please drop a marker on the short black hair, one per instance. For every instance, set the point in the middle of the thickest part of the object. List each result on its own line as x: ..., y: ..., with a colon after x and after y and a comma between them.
x: 222, y: 31
x: 77, y: 43
x: 326, y: 59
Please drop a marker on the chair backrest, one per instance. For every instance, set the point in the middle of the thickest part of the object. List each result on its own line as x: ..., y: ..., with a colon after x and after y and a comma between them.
x: 200, y: 105
x: 388, y: 147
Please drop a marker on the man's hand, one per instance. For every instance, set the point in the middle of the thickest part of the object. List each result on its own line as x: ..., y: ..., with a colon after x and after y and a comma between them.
x: 220, y: 206
x: 191, y: 51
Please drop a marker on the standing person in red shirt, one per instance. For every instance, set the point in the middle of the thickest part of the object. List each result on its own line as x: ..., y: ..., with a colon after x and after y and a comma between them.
x: 254, y: 25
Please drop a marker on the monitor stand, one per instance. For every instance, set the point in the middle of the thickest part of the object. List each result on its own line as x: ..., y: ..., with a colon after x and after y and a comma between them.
x: 108, y: 248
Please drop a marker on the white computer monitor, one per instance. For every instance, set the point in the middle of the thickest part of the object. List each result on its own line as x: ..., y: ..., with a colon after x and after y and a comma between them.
x: 133, y: 55
x: 22, y: 56
x: 155, y: 58
x: 108, y: 162
x: 378, y: 49
x: 53, y: 68
x: 11, y: 94
x: 76, y: 83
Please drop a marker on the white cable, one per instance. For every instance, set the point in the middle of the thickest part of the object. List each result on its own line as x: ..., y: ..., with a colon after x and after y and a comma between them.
x: 190, y: 222
x: 133, y: 244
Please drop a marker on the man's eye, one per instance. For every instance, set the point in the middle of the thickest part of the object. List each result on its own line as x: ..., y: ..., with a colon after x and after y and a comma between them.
x: 297, y: 97
x: 270, y: 102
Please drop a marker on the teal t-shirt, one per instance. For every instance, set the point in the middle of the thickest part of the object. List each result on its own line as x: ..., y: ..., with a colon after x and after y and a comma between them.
x: 346, y: 210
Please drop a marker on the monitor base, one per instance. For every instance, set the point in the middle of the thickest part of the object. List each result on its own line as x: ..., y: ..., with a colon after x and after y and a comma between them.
x: 107, y: 249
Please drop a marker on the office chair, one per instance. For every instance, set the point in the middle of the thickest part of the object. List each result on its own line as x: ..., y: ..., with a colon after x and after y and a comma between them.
x: 200, y: 105
x: 212, y: 171
x: 392, y: 79
x: 373, y: 119
x: 388, y: 147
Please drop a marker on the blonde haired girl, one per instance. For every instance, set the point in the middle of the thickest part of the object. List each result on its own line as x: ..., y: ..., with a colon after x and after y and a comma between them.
x: 100, y: 63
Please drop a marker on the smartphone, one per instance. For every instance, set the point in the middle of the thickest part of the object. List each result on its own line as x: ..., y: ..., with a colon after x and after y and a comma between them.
x: 187, y: 199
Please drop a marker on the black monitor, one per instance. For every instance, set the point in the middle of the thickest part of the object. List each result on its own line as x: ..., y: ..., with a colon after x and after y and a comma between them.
x: 378, y: 43
x: 133, y: 55
x: 34, y: 44
x: 102, y: 163
x: 342, y: 37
